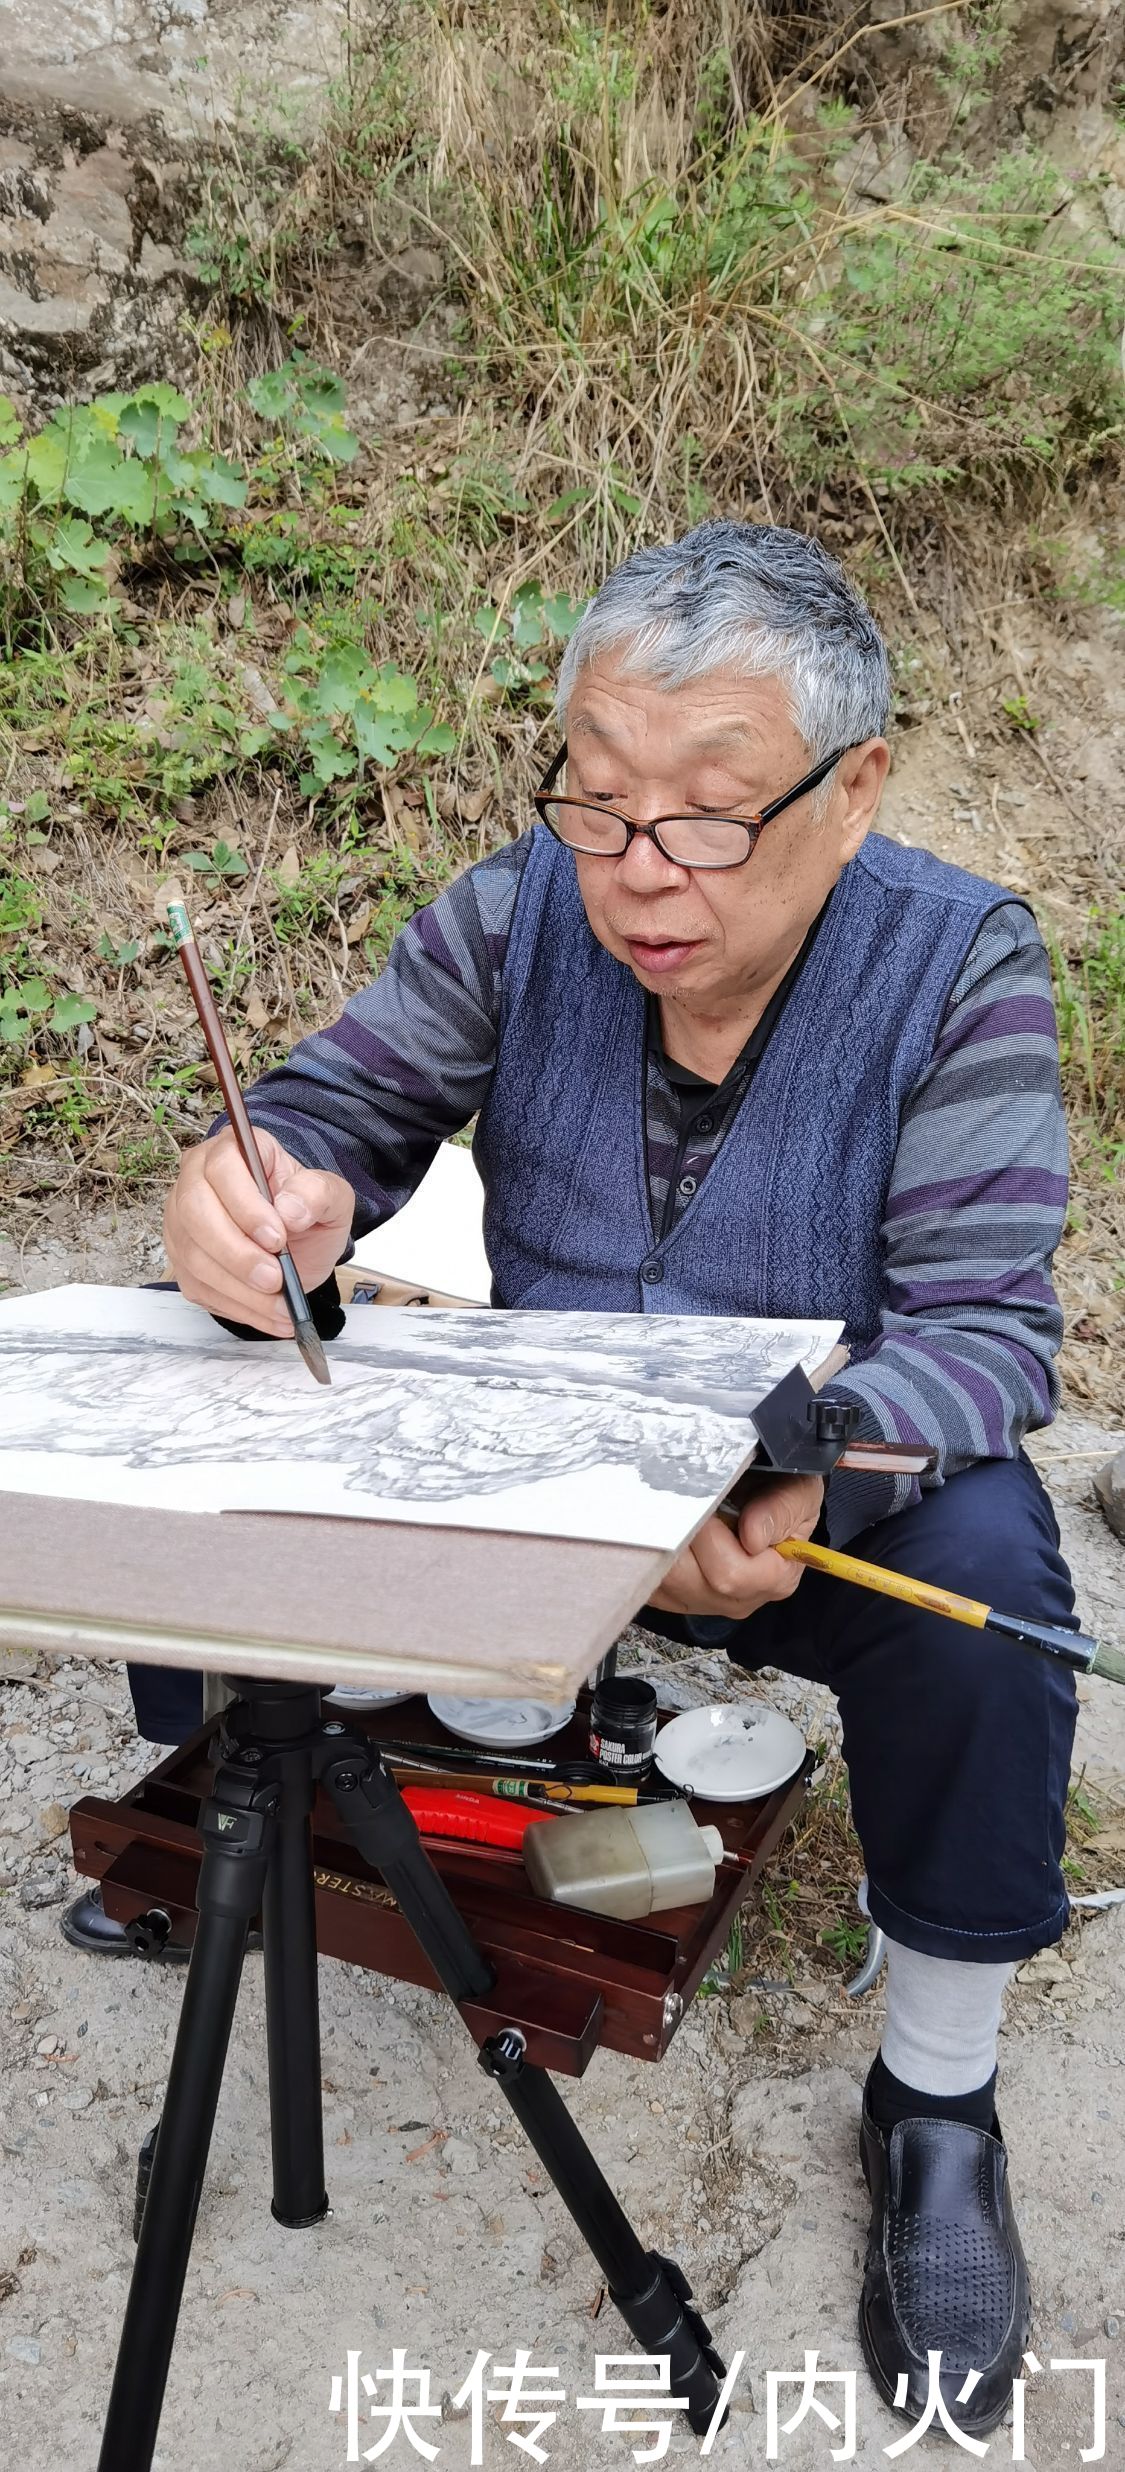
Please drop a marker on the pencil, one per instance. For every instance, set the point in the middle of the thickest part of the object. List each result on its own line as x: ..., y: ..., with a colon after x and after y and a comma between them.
x: 300, y: 1313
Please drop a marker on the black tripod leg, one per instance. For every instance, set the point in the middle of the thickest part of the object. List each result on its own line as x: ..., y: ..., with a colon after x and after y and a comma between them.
x: 293, y: 2012
x: 236, y: 1842
x: 650, y: 2291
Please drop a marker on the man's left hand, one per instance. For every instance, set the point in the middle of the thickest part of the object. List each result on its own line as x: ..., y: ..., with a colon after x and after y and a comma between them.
x: 720, y: 1573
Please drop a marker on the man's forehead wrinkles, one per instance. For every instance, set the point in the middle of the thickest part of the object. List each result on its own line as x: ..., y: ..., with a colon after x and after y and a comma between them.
x: 712, y: 739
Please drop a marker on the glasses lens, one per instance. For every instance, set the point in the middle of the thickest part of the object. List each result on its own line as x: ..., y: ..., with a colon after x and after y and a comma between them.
x: 707, y: 841
x: 585, y: 828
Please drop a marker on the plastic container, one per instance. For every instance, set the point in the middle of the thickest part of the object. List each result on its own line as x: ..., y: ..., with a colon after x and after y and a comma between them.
x: 626, y: 1863
x: 623, y: 1728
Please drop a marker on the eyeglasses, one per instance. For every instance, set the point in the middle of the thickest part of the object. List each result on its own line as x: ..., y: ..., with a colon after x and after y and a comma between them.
x: 699, y: 841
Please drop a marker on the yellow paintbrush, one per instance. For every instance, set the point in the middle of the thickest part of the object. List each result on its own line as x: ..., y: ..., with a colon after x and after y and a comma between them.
x: 1075, y: 1648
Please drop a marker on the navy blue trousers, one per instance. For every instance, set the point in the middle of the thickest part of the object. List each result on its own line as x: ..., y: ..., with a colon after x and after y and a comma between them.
x: 957, y: 1743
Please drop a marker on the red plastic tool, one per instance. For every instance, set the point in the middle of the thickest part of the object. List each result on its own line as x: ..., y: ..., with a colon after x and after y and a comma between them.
x: 473, y: 1816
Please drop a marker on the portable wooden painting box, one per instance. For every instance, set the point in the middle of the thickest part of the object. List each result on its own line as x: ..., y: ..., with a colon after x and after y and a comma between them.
x: 569, y: 1981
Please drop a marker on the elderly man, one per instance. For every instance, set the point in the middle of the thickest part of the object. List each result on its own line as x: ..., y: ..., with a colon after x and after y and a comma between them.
x: 731, y: 1052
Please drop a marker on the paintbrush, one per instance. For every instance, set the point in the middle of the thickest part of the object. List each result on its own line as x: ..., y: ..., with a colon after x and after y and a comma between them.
x: 546, y: 1793
x: 1073, y: 1648
x: 300, y: 1312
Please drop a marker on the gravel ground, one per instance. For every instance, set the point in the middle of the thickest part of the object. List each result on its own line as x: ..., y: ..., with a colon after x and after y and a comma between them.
x: 738, y: 2155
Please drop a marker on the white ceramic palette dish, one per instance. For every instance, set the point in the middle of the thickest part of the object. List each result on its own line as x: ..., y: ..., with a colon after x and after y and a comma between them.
x: 730, y: 1754
x: 349, y: 1695
x: 507, y: 1725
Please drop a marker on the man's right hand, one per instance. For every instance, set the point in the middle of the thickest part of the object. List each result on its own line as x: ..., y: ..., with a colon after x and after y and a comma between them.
x: 222, y: 1239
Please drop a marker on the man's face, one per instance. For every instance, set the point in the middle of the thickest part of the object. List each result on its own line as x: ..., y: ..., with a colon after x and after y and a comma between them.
x: 727, y: 744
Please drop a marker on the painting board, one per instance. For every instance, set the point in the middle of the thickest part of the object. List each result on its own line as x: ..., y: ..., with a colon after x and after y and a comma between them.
x: 619, y: 1429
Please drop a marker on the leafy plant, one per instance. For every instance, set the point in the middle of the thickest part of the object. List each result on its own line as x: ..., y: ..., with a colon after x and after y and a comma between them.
x: 117, y: 463
x: 533, y: 622
x: 222, y: 865
x: 308, y: 402
x: 346, y: 713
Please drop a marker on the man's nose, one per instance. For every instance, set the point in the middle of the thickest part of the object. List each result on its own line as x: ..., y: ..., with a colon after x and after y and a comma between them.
x: 643, y: 868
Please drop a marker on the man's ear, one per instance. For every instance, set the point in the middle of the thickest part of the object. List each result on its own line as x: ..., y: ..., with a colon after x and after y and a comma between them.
x: 862, y: 774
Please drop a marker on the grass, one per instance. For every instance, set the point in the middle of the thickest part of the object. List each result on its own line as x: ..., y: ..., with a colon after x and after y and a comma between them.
x: 803, y: 1923
x: 307, y: 671
x: 1090, y: 1001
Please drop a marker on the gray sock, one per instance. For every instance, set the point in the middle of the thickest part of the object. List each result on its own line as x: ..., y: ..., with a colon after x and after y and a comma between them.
x: 943, y: 2020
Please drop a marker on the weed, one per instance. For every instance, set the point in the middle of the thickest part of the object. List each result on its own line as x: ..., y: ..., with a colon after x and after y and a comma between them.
x: 307, y: 900
x: 221, y: 865
x: 1090, y: 1004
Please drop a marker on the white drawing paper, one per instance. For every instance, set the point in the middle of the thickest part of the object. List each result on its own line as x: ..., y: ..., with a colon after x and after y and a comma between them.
x: 620, y: 1428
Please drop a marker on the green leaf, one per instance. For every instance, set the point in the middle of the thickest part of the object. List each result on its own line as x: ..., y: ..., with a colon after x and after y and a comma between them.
x: 562, y: 614
x: 46, y: 460
x: 220, y: 480
x: 320, y: 392
x: 271, y: 395
x: 228, y: 862
x: 94, y: 476
x: 381, y: 736
x: 334, y: 438
x: 151, y: 418
x: 81, y: 594
x: 70, y: 1011
x: 346, y: 674
x: 34, y: 995
x: 253, y: 742
x: 439, y: 740
x: 38, y: 808
x: 393, y: 691
x: 487, y: 623
x: 70, y: 543
x: 565, y: 505
x: 508, y: 673
x: 12, y: 481
x: 9, y: 421
x: 527, y: 617
x: 330, y: 761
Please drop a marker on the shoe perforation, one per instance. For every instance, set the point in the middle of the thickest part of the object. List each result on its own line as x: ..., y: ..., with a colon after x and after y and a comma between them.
x: 953, y: 2288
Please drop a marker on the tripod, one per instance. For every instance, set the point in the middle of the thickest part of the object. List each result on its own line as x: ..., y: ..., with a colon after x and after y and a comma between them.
x: 257, y: 1856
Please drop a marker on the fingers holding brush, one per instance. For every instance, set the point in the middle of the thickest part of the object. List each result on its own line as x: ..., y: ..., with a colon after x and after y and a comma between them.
x: 222, y: 1237
x: 726, y: 1574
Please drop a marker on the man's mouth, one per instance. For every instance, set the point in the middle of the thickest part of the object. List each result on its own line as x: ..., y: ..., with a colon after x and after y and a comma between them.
x: 660, y: 954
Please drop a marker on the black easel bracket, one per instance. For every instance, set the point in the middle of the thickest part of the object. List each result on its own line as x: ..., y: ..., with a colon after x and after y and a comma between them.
x: 801, y: 1433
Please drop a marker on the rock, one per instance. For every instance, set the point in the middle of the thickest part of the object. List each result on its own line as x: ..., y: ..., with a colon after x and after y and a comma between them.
x: 43, y: 1884
x: 25, y: 2347
x: 1109, y: 1486
x: 65, y: 313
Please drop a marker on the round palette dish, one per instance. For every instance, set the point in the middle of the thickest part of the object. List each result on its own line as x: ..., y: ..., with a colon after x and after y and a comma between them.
x: 730, y: 1754
x: 507, y: 1725
x: 347, y: 1695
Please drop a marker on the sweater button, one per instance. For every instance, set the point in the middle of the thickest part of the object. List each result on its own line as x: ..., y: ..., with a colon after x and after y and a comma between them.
x: 686, y: 1187
x: 705, y: 1124
x: 652, y: 1273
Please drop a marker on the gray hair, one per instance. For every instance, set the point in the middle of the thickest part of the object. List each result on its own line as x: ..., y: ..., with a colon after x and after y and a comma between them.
x: 753, y: 598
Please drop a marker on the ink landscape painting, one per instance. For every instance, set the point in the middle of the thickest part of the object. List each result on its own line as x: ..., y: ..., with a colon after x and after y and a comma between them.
x: 618, y: 1428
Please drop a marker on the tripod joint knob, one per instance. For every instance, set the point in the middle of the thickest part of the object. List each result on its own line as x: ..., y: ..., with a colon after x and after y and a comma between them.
x: 503, y: 2055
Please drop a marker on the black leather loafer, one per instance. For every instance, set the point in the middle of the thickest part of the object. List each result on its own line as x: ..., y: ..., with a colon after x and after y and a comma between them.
x: 944, y: 2270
